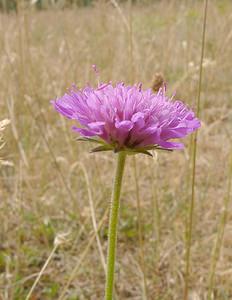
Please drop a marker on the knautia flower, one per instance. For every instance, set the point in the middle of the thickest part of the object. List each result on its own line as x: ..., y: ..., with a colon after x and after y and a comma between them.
x: 127, y: 117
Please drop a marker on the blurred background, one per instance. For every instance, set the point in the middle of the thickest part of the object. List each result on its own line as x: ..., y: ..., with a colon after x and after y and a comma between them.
x: 54, y: 194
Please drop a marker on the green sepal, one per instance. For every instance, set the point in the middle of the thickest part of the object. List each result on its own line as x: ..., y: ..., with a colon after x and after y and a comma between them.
x: 113, y: 147
x: 157, y: 148
x: 136, y: 151
x: 92, y: 140
x: 102, y: 148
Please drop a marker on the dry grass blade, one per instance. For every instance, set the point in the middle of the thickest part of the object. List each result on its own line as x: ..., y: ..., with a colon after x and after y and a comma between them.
x: 41, y: 273
x: 93, y: 216
x: 52, y: 154
x: 10, y: 105
x: 124, y: 19
x: 60, y: 239
x: 82, y: 258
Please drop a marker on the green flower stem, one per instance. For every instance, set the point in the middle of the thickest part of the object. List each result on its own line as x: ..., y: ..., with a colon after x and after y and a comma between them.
x: 113, y: 222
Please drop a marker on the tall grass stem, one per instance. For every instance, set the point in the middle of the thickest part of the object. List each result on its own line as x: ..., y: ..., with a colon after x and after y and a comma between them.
x: 140, y: 229
x: 155, y: 205
x: 220, y: 234
x: 189, y: 226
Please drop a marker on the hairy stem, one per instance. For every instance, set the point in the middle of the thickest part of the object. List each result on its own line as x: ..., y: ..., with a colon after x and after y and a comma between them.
x: 113, y: 222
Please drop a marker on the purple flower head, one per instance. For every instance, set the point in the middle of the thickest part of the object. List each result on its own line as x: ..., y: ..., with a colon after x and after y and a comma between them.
x: 126, y: 117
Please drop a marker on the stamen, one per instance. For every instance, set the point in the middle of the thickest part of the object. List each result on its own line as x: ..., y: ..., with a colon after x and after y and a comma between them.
x: 140, y: 86
x: 95, y: 69
x: 101, y: 87
x: 97, y: 73
x: 173, y: 96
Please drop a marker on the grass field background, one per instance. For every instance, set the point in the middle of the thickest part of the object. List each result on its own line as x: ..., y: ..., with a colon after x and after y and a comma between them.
x: 53, y: 189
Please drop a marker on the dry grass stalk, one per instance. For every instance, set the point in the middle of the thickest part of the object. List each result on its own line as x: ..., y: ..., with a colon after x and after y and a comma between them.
x: 189, y: 225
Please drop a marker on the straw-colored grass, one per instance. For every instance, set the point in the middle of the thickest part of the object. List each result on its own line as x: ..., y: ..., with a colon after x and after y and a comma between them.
x: 52, y: 186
